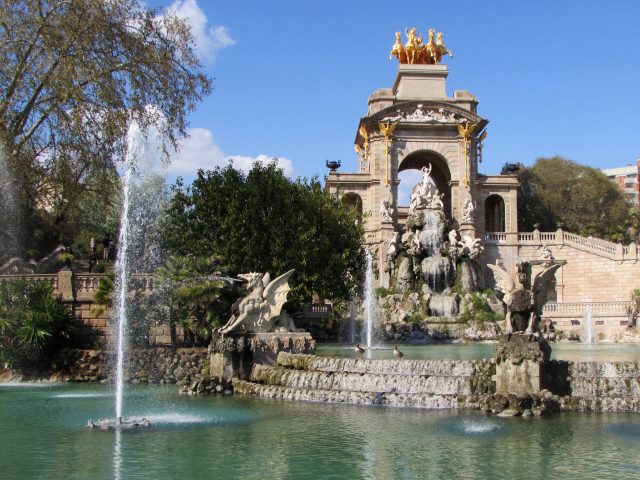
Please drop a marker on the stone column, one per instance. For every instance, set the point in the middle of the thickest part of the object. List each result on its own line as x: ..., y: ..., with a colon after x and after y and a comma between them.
x: 520, y: 361
x: 66, y: 285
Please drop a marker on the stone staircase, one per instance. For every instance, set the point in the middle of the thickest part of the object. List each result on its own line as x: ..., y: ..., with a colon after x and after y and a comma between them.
x: 403, y: 383
x: 605, y: 386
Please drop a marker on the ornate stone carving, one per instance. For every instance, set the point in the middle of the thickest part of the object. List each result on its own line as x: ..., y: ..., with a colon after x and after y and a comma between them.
x: 470, y: 247
x: 468, y: 211
x: 259, y: 310
x: 546, y: 256
x: 524, y: 306
x: 386, y: 210
x: 420, y: 115
x: 393, y: 247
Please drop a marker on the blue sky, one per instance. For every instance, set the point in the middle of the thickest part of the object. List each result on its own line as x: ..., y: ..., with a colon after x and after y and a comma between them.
x: 292, y: 78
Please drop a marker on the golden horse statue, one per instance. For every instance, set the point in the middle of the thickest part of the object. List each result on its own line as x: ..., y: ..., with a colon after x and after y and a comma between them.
x: 398, y: 50
x: 441, y: 49
x: 414, y: 51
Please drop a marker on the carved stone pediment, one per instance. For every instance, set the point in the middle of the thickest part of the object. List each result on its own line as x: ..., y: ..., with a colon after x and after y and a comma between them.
x: 421, y: 113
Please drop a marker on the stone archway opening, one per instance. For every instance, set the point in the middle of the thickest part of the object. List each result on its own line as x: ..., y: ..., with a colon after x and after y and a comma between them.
x: 494, y: 214
x: 409, y: 174
x: 353, y: 201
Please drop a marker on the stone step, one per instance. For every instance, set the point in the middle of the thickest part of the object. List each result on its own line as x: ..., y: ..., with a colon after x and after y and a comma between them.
x: 604, y: 369
x: 605, y: 387
x: 441, y: 368
x: 360, y: 382
x: 419, y: 400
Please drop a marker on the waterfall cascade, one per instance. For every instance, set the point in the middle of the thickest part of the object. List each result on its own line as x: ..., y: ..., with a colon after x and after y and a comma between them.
x: 427, y: 256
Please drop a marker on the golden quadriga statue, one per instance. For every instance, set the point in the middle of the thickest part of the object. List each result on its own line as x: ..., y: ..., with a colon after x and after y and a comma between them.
x: 416, y: 52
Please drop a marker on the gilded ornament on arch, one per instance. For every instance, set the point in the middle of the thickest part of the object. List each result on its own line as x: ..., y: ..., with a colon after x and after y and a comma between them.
x: 465, y: 129
x: 387, y: 130
x: 416, y: 52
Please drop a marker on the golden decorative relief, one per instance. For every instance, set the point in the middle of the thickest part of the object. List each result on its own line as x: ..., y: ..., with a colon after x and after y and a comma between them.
x: 387, y: 130
x: 416, y: 52
x: 363, y: 150
x: 465, y: 130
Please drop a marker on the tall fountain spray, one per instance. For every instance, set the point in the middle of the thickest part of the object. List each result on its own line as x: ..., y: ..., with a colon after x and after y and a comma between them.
x: 122, y: 262
x: 369, y: 304
x: 142, y: 200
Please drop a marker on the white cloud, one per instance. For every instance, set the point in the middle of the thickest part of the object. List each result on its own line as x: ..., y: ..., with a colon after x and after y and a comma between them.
x: 245, y: 163
x: 200, y: 150
x: 209, y: 41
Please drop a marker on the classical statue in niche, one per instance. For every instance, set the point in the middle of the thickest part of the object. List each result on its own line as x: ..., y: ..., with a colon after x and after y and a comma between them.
x: 386, y: 210
x: 468, y: 211
x: 260, y: 309
x: 426, y: 177
x: 393, y: 248
x: 524, y: 306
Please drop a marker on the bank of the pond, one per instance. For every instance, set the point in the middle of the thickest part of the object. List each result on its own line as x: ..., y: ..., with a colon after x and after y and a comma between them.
x: 149, y: 365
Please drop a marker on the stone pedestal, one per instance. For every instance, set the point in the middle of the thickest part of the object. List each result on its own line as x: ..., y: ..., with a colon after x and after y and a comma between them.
x: 234, y: 355
x: 520, y: 362
x: 420, y: 82
x: 467, y: 229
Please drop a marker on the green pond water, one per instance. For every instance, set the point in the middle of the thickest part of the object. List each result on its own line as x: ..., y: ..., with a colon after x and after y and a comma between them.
x: 579, y: 352
x: 43, y: 434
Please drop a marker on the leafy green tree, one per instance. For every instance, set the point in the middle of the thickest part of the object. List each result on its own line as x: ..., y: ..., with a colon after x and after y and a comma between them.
x: 262, y: 221
x: 73, y: 73
x: 32, y: 323
x: 192, y: 292
x: 556, y: 190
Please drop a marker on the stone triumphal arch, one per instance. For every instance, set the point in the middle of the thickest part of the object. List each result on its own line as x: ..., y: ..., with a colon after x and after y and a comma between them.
x: 416, y: 125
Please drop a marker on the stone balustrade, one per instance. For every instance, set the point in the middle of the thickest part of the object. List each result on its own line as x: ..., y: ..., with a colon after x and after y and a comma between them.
x: 52, y: 278
x: 82, y: 286
x: 600, y: 309
x: 597, y: 246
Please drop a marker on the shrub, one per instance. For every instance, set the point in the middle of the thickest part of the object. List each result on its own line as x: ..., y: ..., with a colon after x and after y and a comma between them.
x: 33, y: 324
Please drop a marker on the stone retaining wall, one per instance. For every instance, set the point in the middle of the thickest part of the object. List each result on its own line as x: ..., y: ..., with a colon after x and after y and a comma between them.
x: 149, y: 365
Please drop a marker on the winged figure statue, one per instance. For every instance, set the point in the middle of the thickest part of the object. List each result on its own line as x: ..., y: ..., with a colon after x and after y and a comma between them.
x: 259, y: 310
x: 524, y: 306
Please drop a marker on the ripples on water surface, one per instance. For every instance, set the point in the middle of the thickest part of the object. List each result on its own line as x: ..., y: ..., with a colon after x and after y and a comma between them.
x: 43, y: 436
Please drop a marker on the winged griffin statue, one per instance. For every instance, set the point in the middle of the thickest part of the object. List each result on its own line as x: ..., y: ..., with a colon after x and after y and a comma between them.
x: 259, y: 310
x: 524, y: 306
